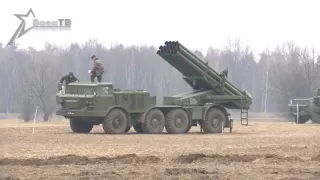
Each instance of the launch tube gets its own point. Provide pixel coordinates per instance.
(201, 63)
(203, 69)
(201, 72)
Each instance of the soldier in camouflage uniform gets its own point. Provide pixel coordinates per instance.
(223, 75)
(97, 70)
(225, 72)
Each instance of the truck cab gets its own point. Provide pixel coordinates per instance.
(87, 104)
(85, 98)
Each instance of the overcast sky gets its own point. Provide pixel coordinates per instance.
(195, 23)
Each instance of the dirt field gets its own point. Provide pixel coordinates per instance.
(258, 151)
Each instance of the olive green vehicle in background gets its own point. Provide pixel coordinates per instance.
(88, 104)
(302, 110)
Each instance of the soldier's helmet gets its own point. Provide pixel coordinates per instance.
(71, 74)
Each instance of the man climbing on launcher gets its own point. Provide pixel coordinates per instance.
(97, 70)
(67, 79)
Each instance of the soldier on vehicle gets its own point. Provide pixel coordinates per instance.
(67, 79)
(97, 70)
(223, 75)
(225, 72)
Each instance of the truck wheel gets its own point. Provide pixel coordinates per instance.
(177, 121)
(154, 122)
(116, 122)
(78, 126)
(213, 121)
(137, 128)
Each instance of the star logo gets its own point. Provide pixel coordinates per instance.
(22, 27)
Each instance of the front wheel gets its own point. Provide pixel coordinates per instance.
(116, 122)
(78, 126)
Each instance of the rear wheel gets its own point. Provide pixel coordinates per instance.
(78, 126)
(154, 122)
(116, 122)
(177, 121)
(213, 121)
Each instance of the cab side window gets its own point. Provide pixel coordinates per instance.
(104, 90)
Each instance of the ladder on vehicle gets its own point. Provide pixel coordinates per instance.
(244, 117)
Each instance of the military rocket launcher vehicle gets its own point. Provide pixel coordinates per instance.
(206, 105)
(89, 104)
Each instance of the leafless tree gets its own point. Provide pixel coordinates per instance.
(32, 75)
(40, 82)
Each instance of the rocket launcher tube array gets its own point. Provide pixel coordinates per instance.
(203, 74)
(178, 50)
(179, 47)
(206, 67)
(214, 75)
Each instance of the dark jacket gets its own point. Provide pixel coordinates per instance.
(68, 79)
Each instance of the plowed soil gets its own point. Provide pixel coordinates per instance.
(258, 151)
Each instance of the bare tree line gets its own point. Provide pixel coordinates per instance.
(29, 78)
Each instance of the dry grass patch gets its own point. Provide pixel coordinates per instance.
(258, 151)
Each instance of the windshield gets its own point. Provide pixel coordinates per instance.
(80, 90)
